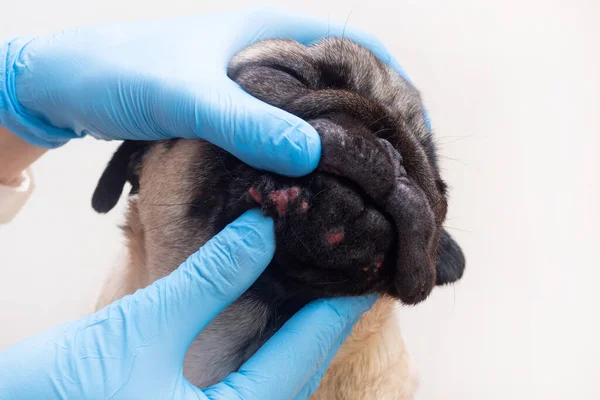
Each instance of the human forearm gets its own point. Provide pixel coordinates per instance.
(15, 156)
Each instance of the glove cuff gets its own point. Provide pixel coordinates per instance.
(14, 117)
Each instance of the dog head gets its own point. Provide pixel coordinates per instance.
(368, 220)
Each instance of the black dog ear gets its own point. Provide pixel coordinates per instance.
(450, 262)
(121, 168)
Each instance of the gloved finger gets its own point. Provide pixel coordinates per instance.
(313, 383)
(257, 133)
(208, 281)
(281, 368)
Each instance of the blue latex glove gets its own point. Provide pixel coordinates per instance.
(161, 79)
(134, 348)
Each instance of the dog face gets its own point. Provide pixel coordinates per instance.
(368, 220)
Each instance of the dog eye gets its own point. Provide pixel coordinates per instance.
(291, 72)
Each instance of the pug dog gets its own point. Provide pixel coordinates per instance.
(367, 220)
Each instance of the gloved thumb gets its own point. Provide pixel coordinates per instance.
(208, 281)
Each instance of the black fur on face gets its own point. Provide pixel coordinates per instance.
(368, 220)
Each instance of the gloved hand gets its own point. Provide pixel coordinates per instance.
(134, 348)
(161, 79)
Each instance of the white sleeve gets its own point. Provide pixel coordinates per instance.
(12, 199)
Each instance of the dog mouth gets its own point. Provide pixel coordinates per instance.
(376, 167)
(358, 214)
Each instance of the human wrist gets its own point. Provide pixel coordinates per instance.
(13, 116)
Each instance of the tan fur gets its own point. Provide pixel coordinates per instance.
(373, 363)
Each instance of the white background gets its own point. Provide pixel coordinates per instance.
(513, 91)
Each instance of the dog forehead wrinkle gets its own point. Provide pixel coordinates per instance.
(372, 77)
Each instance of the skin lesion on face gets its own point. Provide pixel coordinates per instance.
(368, 220)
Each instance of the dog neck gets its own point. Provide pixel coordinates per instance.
(373, 363)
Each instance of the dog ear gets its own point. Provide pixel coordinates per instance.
(450, 261)
(122, 168)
